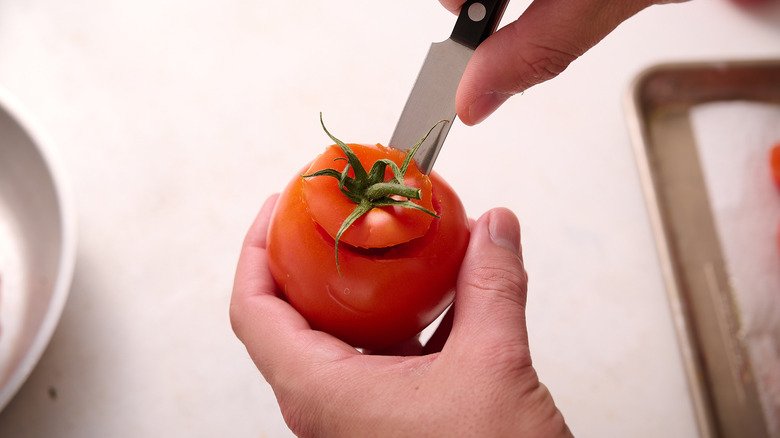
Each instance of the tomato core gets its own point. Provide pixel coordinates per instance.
(381, 227)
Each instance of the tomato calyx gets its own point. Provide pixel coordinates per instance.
(369, 189)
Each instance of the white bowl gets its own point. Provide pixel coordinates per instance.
(37, 246)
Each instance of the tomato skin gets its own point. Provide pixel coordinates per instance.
(774, 168)
(383, 296)
(774, 164)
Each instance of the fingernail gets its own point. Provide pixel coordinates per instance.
(505, 230)
(486, 105)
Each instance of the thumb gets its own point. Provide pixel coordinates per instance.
(548, 36)
(492, 284)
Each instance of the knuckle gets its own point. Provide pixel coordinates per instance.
(501, 282)
(550, 61)
(542, 63)
(452, 5)
(502, 290)
(539, 61)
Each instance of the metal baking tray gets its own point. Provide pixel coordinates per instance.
(37, 246)
(722, 384)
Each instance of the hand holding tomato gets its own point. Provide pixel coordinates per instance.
(478, 379)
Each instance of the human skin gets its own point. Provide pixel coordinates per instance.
(538, 46)
(475, 376)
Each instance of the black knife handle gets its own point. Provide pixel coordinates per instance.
(478, 19)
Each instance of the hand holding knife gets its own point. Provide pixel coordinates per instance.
(433, 96)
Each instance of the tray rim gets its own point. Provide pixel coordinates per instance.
(636, 111)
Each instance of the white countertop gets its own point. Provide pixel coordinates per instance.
(175, 119)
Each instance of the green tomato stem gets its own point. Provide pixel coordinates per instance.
(369, 190)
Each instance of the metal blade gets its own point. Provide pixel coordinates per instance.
(432, 99)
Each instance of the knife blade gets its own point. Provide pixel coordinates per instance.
(432, 98)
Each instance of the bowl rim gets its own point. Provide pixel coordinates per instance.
(68, 230)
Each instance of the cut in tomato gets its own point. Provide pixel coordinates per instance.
(380, 227)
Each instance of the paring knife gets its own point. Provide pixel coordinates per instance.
(433, 96)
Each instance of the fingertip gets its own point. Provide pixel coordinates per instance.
(485, 105)
(268, 205)
(256, 236)
(271, 199)
(499, 226)
(483, 87)
(252, 276)
(504, 229)
(452, 5)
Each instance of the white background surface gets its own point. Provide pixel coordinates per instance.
(175, 119)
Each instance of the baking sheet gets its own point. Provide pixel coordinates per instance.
(37, 247)
(697, 160)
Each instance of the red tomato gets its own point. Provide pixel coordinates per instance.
(774, 162)
(774, 165)
(397, 266)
